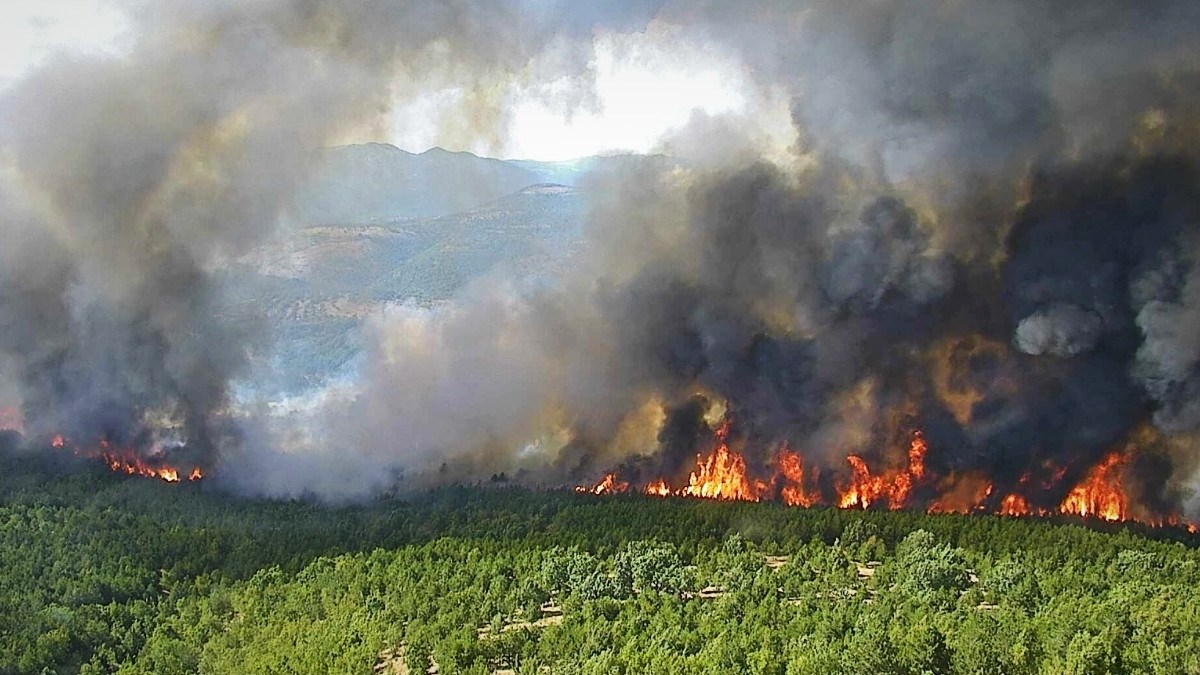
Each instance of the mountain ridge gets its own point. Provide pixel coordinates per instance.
(379, 183)
(373, 183)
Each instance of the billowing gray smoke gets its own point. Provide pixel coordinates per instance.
(130, 180)
(986, 229)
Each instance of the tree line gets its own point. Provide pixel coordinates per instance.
(102, 574)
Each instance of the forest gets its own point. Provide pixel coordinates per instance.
(101, 573)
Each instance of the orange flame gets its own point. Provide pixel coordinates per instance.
(916, 455)
(723, 474)
(1100, 494)
(899, 490)
(967, 493)
(658, 488)
(1015, 505)
(794, 492)
(130, 462)
(607, 485)
(865, 489)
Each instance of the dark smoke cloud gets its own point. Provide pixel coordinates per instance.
(1017, 174)
(986, 228)
(1168, 360)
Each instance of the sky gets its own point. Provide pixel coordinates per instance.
(33, 30)
(647, 84)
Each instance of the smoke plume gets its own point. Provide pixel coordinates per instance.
(986, 229)
(131, 180)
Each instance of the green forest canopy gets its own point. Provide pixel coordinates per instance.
(109, 574)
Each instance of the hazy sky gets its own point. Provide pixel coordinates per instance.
(646, 84)
(32, 30)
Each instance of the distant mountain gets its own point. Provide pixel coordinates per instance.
(377, 183)
(380, 184)
(319, 283)
(427, 259)
(530, 232)
(379, 225)
(572, 172)
(560, 173)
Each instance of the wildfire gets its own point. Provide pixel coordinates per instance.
(608, 485)
(863, 488)
(130, 462)
(134, 466)
(1100, 494)
(658, 488)
(895, 487)
(916, 455)
(967, 493)
(724, 474)
(794, 492)
(1015, 505)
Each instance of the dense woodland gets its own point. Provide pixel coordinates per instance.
(102, 574)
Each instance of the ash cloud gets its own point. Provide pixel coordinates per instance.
(1013, 181)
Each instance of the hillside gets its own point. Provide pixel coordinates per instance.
(377, 224)
(104, 573)
(380, 183)
(318, 284)
(576, 172)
